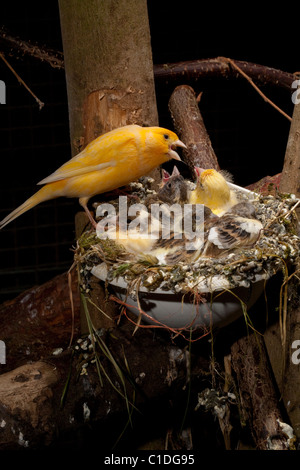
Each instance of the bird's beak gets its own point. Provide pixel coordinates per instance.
(172, 152)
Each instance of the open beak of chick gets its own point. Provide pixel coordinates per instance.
(172, 147)
(198, 171)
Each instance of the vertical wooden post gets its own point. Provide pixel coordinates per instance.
(107, 53)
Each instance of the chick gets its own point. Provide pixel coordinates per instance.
(186, 248)
(173, 189)
(162, 217)
(214, 236)
(213, 191)
(237, 229)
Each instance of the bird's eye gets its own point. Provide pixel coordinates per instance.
(166, 136)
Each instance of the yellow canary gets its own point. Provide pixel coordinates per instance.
(108, 162)
(213, 191)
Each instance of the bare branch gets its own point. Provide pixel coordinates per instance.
(181, 71)
(234, 65)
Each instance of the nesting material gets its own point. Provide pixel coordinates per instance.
(277, 247)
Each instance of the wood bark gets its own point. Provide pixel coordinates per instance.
(257, 394)
(189, 124)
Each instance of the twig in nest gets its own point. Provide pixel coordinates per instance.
(71, 301)
(39, 102)
(249, 79)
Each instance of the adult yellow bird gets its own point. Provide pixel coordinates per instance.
(112, 160)
(213, 191)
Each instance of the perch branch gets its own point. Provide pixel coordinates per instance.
(187, 70)
(257, 394)
(188, 122)
(217, 67)
(35, 381)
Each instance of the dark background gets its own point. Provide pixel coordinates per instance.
(248, 135)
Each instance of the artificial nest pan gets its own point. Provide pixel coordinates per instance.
(207, 292)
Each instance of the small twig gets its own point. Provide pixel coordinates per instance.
(249, 79)
(40, 103)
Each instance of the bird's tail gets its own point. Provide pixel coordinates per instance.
(42, 195)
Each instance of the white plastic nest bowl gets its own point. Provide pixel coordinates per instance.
(166, 308)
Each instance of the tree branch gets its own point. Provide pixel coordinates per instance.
(53, 58)
(221, 67)
(180, 71)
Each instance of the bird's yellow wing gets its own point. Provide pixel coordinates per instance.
(69, 170)
(103, 152)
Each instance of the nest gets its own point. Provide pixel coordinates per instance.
(276, 249)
